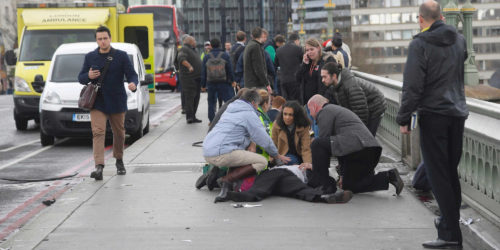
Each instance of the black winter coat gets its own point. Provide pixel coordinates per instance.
(288, 58)
(433, 80)
(359, 96)
(310, 79)
(254, 66)
(346, 131)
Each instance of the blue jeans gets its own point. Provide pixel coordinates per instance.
(223, 90)
(294, 159)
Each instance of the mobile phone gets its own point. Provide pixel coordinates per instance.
(95, 67)
(413, 121)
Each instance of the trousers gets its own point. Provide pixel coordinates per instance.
(441, 145)
(98, 123)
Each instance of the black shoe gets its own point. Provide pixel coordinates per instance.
(212, 176)
(183, 112)
(340, 196)
(225, 188)
(97, 173)
(396, 180)
(189, 121)
(196, 120)
(120, 167)
(442, 244)
(202, 181)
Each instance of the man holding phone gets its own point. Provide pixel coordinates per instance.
(111, 100)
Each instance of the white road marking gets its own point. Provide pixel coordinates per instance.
(18, 146)
(31, 154)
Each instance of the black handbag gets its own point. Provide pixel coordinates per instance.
(89, 91)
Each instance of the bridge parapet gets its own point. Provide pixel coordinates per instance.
(479, 168)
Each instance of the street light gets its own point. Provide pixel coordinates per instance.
(290, 27)
(301, 13)
(329, 7)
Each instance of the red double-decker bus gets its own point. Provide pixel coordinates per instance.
(167, 37)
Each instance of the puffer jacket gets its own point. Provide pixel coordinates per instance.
(237, 127)
(433, 80)
(359, 96)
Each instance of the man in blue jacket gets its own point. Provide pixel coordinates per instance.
(221, 86)
(226, 144)
(111, 100)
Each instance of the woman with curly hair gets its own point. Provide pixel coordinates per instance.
(290, 134)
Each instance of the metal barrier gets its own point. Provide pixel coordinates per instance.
(479, 168)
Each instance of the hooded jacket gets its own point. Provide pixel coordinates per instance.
(433, 79)
(237, 127)
(359, 96)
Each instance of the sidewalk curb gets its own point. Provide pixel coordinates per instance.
(48, 220)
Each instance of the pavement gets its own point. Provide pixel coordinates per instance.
(156, 206)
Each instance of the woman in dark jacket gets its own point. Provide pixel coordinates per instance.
(291, 134)
(309, 74)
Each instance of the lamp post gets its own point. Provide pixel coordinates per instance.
(452, 14)
(329, 8)
(290, 27)
(323, 35)
(301, 12)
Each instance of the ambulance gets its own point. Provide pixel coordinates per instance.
(42, 27)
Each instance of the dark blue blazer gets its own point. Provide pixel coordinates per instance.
(112, 97)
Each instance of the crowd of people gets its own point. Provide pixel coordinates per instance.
(275, 133)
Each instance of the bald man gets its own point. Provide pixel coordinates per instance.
(433, 85)
(343, 134)
(190, 74)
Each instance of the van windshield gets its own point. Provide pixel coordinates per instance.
(67, 67)
(39, 45)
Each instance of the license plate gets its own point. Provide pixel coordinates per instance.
(81, 117)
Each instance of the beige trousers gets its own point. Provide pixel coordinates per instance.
(98, 123)
(239, 158)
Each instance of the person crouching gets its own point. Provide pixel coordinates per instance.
(225, 145)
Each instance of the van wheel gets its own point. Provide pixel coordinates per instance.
(21, 124)
(46, 139)
(138, 135)
(146, 129)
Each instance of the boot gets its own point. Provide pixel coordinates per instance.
(226, 182)
(120, 167)
(396, 180)
(340, 196)
(202, 181)
(97, 173)
(212, 176)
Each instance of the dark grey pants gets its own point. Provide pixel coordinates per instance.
(191, 89)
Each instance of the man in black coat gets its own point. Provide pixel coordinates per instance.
(433, 85)
(254, 61)
(190, 72)
(342, 134)
(288, 59)
(355, 94)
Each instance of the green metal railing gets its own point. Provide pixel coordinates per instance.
(479, 168)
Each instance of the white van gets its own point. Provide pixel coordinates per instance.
(59, 113)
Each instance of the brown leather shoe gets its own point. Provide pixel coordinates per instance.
(341, 196)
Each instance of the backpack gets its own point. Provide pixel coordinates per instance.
(216, 68)
(235, 55)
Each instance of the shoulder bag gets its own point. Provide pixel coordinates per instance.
(89, 91)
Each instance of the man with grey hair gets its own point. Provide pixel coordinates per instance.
(226, 144)
(343, 135)
(190, 74)
(433, 85)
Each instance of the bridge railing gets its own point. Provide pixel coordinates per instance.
(479, 168)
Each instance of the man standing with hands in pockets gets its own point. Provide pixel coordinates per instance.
(111, 100)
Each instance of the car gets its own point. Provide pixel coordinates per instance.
(60, 115)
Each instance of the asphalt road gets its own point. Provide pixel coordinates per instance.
(23, 158)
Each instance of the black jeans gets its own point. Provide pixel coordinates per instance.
(191, 89)
(441, 139)
(358, 170)
(373, 124)
(290, 91)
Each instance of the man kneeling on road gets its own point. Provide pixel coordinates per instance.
(225, 144)
(343, 134)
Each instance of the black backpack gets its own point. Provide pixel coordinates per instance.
(216, 68)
